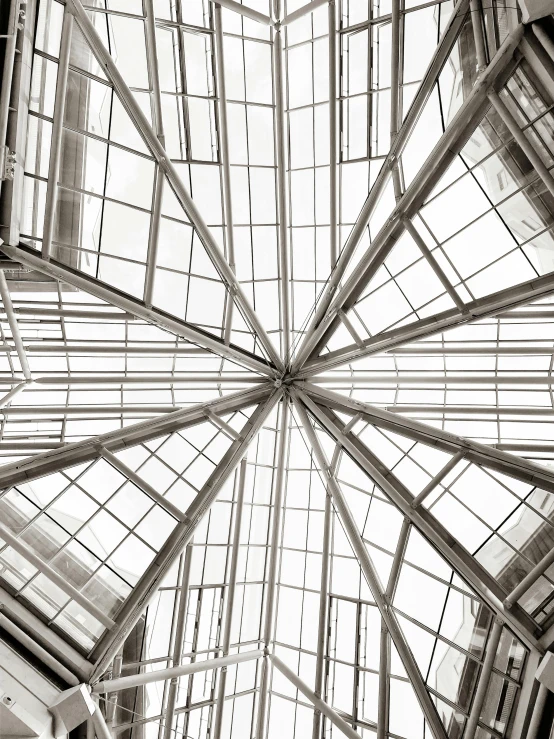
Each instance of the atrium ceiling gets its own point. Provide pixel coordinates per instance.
(276, 363)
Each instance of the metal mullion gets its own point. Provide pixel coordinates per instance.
(268, 629)
(334, 54)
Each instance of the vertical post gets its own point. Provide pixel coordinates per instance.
(333, 163)
(157, 119)
(280, 151)
(225, 159)
(538, 711)
(269, 620)
(395, 91)
(480, 53)
(57, 132)
(178, 643)
(484, 678)
(323, 605)
(7, 76)
(384, 643)
(226, 641)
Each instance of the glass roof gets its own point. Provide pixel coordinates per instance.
(276, 351)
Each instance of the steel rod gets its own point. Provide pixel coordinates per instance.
(370, 574)
(432, 262)
(230, 600)
(133, 681)
(272, 570)
(428, 489)
(14, 392)
(225, 158)
(333, 135)
(7, 77)
(521, 139)
(493, 378)
(14, 327)
(282, 203)
(318, 703)
(137, 480)
(57, 136)
(22, 548)
(134, 110)
(140, 379)
(178, 643)
(475, 9)
(100, 726)
(484, 679)
(42, 654)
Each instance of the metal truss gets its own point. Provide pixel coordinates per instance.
(281, 380)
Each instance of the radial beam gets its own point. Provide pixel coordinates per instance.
(138, 308)
(456, 555)
(134, 110)
(511, 297)
(439, 59)
(273, 567)
(57, 134)
(230, 599)
(365, 378)
(370, 573)
(87, 450)
(245, 10)
(134, 606)
(438, 161)
(282, 204)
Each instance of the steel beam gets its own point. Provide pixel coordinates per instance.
(134, 606)
(333, 135)
(204, 378)
(428, 489)
(14, 327)
(225, 159)
(272, 571)
(85, 451)
(57, 134)
(530, 579)
(13, 393)
(159, 177)
(7, 76)
(304, 10)
(134, 110)
(367, 379)
(282, 203)
(440, 158)
(538, 712)
(230, 599)
(109, 349)
(427, 85)
(482, 454)
(370, 574)
(467, 567)
(491, 305)
(318, 703)
(138, 308)
(144, 678)
(484, 679)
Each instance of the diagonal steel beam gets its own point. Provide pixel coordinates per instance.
(112, 295)
(467, 567)
(425, 89)
(85, 451)
(482, 454)
(134, 606)
(370, 573)
(445, 151)
(503, 300)
(150, 138)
